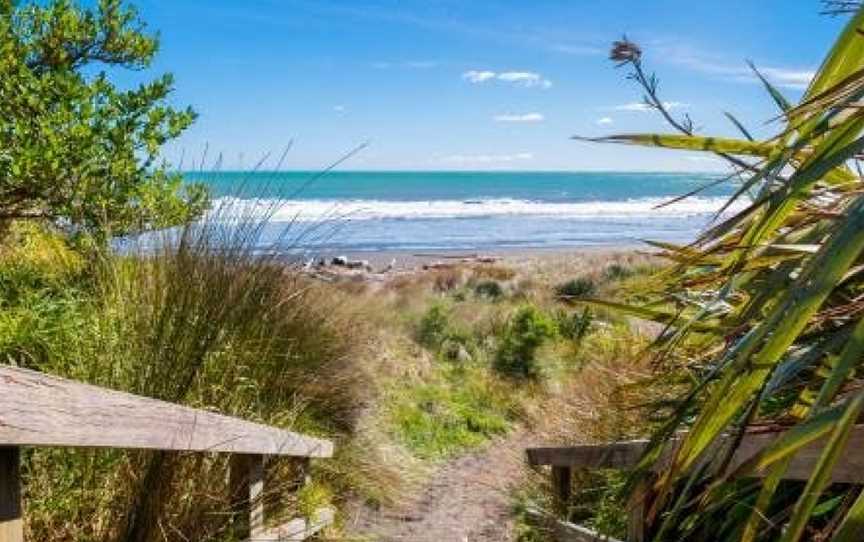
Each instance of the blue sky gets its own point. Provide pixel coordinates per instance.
(479, 84)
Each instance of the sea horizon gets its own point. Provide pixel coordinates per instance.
(382, 210)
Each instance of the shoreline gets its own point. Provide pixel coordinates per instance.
(548, 264)
(404, 260)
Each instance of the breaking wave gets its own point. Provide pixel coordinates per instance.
(315, 210)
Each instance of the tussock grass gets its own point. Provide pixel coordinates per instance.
(200, 318)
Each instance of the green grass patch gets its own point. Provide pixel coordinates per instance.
(461, 409)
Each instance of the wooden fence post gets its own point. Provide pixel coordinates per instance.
(636, 511)
(11, 515)
(562, 486)
(246, 482)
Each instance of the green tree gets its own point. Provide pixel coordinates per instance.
(74, 148)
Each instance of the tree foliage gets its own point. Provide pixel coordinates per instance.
(75, 148)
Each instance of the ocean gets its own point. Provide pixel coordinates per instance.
(423, 211)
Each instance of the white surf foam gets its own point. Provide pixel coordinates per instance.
(314, 210)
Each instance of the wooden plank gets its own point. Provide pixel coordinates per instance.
(42, 410)
(849, 468)
(625, 455)
(11, 514)
(246, 479)
(615, 455)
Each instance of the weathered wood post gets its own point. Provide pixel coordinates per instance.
(11, 515)
(562, 486)
(637, 507)
(246, 483)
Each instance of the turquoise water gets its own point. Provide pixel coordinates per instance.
(460, 186)
(471, 210)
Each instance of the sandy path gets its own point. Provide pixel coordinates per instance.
(465, 500)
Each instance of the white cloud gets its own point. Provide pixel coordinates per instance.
(522, 79)
(796, 79)
(488, 158)
(339, 108)
(641, 106)
(525, 117)
(477, 76)
(525, 79)
(713, 64)
(605, 121)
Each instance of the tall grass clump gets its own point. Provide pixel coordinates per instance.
(772, 292)
(579, 287)
(208, 315)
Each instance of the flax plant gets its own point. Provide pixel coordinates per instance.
(779, 284)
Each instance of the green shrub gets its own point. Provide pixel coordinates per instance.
(526, 331)
(581, 287)
(432, 329)
(489, 289)
(574, 326)
(617, 271)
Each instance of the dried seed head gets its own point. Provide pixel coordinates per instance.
(624, 51)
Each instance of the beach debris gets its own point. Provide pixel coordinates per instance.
(438, 265)
(358, 264)
(455, 260)
(344, 261)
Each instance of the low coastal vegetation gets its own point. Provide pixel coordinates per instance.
(407, 368)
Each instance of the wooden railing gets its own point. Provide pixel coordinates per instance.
(41, 410)
(625, 455)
